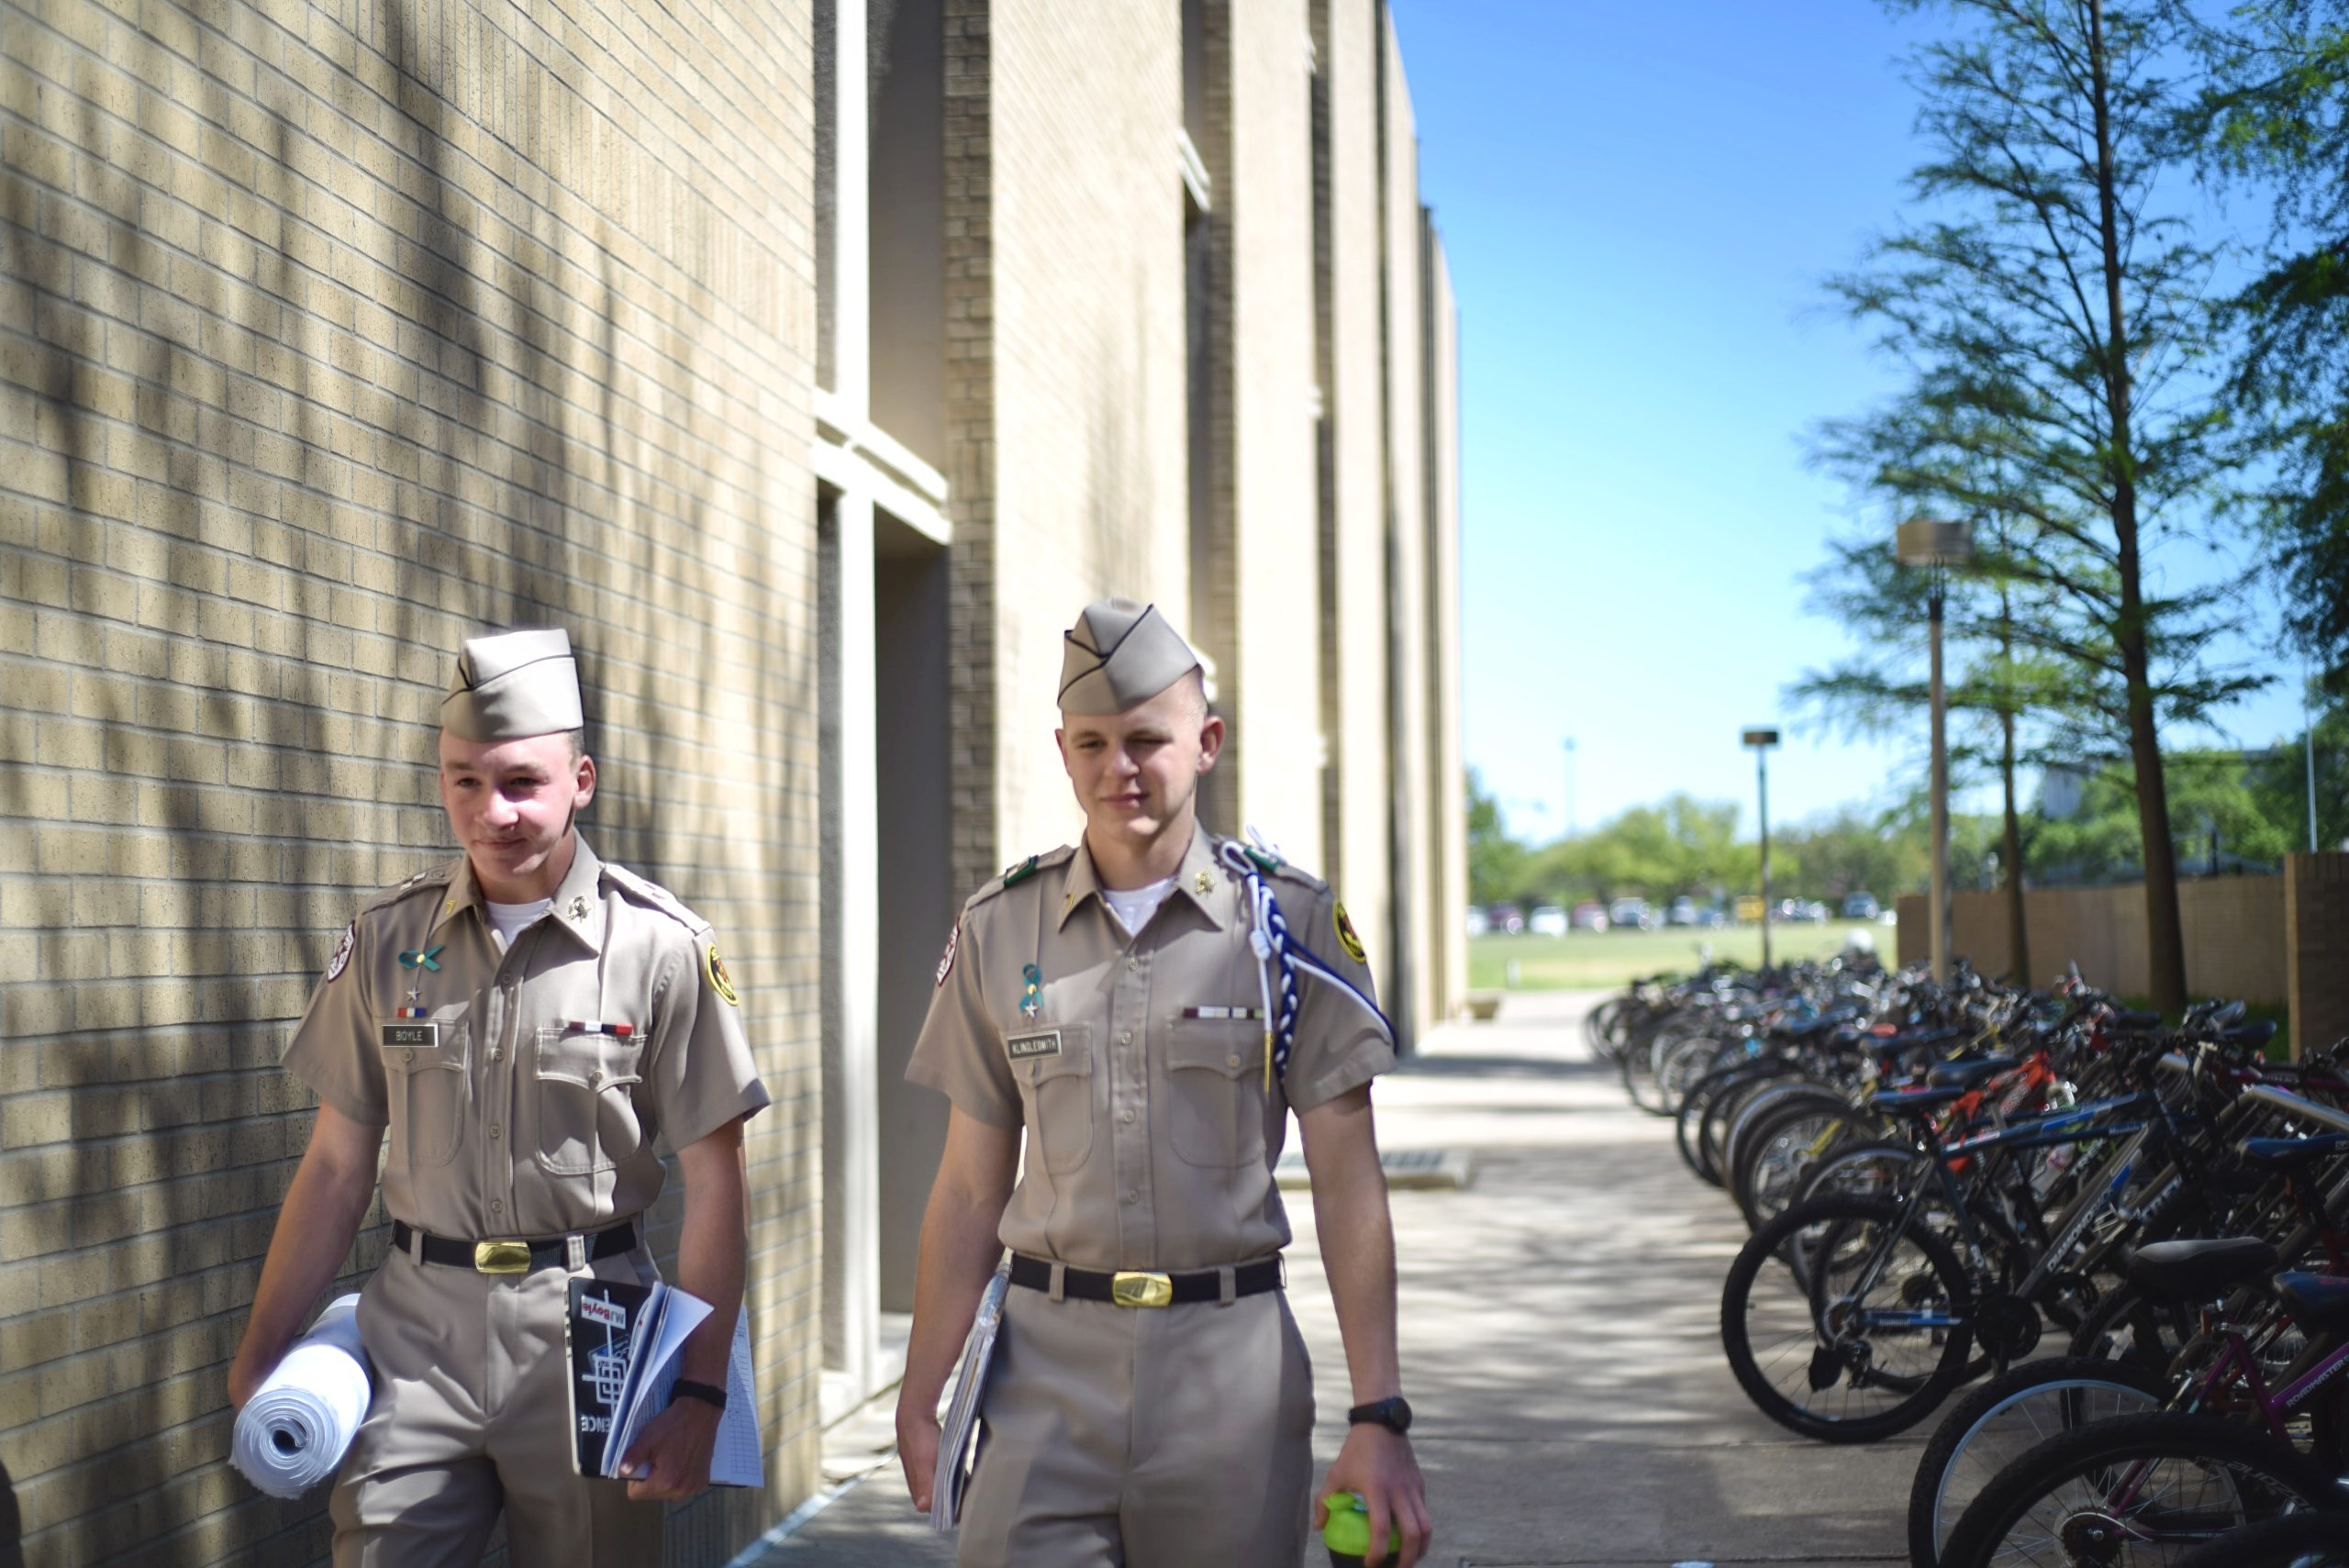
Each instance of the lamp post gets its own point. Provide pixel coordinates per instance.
(1938, 547)
(1570, 786)
(1762, 740)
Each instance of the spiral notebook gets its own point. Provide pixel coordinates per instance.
(622, 1340)
(959, 1429)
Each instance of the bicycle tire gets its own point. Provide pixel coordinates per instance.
(2259, 1476)
(2296, 1540)
(1834, 1218)
(1765, 1149)
(1966, 1450)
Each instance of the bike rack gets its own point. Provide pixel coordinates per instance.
(2308, 1111)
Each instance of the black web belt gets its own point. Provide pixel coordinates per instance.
(517, 1257)
(1130, 1287)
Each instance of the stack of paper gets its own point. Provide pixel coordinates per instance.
(294, 1431)
(959, 1429)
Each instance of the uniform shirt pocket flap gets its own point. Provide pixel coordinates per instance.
(1233, 1046)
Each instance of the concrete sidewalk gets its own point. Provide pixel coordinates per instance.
(1560, 1342)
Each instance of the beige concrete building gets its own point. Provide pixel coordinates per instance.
(812, 362)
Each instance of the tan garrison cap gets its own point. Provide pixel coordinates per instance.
(511, 684)
(1120, 653)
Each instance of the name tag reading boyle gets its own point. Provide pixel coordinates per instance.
(428, 1035)
(1042, 1042)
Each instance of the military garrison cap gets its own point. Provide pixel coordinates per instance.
(511, 684)
(1120, 653)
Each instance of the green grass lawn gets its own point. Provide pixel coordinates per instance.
(1586, 959)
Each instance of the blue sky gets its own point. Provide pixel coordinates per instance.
(1638, 203)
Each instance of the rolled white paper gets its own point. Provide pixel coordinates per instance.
(294, 1431)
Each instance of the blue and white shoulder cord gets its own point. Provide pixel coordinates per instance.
(1279, 956)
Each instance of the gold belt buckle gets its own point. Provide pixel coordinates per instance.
(1128, 1288)
(501, 1257)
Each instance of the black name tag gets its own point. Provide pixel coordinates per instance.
(412, 1034)
(1023, 1046)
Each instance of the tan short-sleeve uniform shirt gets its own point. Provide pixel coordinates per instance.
(528, 1091)
(1138, 1068)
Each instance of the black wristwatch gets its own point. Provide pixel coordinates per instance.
(708, 1393)
(1393, 1413)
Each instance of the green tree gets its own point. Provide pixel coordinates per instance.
(1494, 860)
(2050, 317)
(2276, 114)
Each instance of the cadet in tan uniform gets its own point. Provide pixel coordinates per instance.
(1149, 1403)
(531, 1024)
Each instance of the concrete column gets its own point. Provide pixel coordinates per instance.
(850, 924)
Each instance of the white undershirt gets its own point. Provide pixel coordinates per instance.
(1135, 906)
(507, 920)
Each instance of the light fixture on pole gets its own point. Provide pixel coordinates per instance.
(1570, 786)
(1762, 740)
(1939, 547)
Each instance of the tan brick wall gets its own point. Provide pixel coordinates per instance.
(1089, 493)
(326, 333)
(1263, 219)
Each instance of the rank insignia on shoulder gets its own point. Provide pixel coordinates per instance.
(946, 965)
(1021, 871)
(715, 968)
(343, 950)
(1347, 937)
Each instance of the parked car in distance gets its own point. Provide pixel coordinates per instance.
(1710, 916)
(1801, 911)
(1682, 911)
(1589, 916)
(1748, 908)
(1506, 918)
(1548, 920)
(1861, 907)
(1477, 924)
(1631, 914)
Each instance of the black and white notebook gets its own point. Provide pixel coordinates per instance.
(623, 1341)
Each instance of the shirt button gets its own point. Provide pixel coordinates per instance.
(1127, 1116)
(595, 1076)
(493, 1129)
(1132, 963)
(1232, 1059)
(1127, 1038)
(497, 1053)
(495, 1207)
(1132, 1197)
(407, 1058)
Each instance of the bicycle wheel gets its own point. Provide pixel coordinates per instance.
(2296, 1540)
(1867, 1340)
(2138, 1490)
(1996, 1423)
(1779, 1146)
(1866, 1169)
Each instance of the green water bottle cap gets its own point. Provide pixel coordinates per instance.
(1348, 1532)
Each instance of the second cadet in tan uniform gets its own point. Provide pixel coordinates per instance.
(531, 1025)
(1151, 1403)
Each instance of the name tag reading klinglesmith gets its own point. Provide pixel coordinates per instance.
(1044, 1042)
(412, 1034)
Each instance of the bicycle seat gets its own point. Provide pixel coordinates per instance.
(1913, 1100)
(1915, 1038)
(2293, 1153)
(2127, 1019)
(2250, 1037)
(2318, 1303)
(1964, 1075)
(2185, 1271)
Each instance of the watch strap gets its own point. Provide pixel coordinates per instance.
(708, 1393)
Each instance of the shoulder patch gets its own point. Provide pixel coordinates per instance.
(1348, 938)
(432, 876)
(1020, 872)
(946, 965)
(720, 982)
(652, 896)
(342, 949)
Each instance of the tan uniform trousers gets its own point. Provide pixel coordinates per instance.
(1143, 1437)
(472, 1414)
